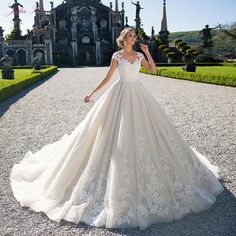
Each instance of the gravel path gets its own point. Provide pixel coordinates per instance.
(204, 114)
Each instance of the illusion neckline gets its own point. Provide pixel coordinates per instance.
(131, 62)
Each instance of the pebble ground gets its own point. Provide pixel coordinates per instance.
(203, 113)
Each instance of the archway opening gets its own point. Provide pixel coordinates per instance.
(21, 57)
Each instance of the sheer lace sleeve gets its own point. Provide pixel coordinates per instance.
(140, 56)
(115, 56)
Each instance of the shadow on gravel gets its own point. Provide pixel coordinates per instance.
(5, 104)
(219, 219)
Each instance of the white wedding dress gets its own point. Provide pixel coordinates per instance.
(123, 166)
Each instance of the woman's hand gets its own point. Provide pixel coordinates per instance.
(144, 48)
(87, 98)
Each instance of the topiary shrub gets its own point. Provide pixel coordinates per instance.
(162, 46)
(181, 44)
(167, 50)
(195, 53)
(171, 54)
(185, 48)
(190, 51)
(177, 41)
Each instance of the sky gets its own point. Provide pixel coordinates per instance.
(182, 15)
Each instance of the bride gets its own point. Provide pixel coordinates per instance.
(124, 165)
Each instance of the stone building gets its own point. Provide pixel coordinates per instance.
(24, 48)
(76, 32)
(82, 32)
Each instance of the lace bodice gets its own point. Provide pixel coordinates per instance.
(128, 70)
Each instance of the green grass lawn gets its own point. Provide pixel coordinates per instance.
(221, 75)
(23, 78)
(206, 69)
(20, 75)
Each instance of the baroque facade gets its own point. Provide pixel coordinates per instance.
(24, 48)
(76, 32)
(85, 31)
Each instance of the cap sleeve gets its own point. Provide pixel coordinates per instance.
(115, 56)
(140, 56)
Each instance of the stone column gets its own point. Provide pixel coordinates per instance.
(1, 48)
(110, 20)
(54, 22)
(98, 53)
(74, 20)
(74, 34)
(1, 42)
(48, 52)
(123, 16)
(74, 53)
(29, 49)
(94, 25)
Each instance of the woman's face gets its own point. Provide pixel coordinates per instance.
(131, 38)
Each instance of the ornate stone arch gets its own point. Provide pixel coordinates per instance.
(21, 56)
(11, 52)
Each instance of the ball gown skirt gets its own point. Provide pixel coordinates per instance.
(124, 165)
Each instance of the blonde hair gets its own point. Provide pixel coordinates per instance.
(123, 35)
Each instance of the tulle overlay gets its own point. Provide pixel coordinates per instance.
(124, 166)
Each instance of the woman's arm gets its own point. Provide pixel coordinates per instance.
(107, 78)
(150, 64)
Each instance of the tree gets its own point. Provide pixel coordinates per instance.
(229, 31)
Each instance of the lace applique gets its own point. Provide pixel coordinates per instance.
(184, 190)
(117, 55)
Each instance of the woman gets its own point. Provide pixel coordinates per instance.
(126, 41)
(124, 165)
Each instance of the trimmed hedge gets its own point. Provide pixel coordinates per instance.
(27, 67)
(196, 76)
(11, 87)
(233, 64)
(197, 64)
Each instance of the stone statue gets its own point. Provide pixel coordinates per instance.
(85, 23)
(87, 57)
(51, 4)
(37, 61)
(190, 64)
(1, 32)
(153, 32)
(46, 32)
(6, 61)
(93, 15)
(207, 36)
(15, 8)
(138, 8)
(111, 5)
(126, 20)
(7, 72)
(29, 34)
